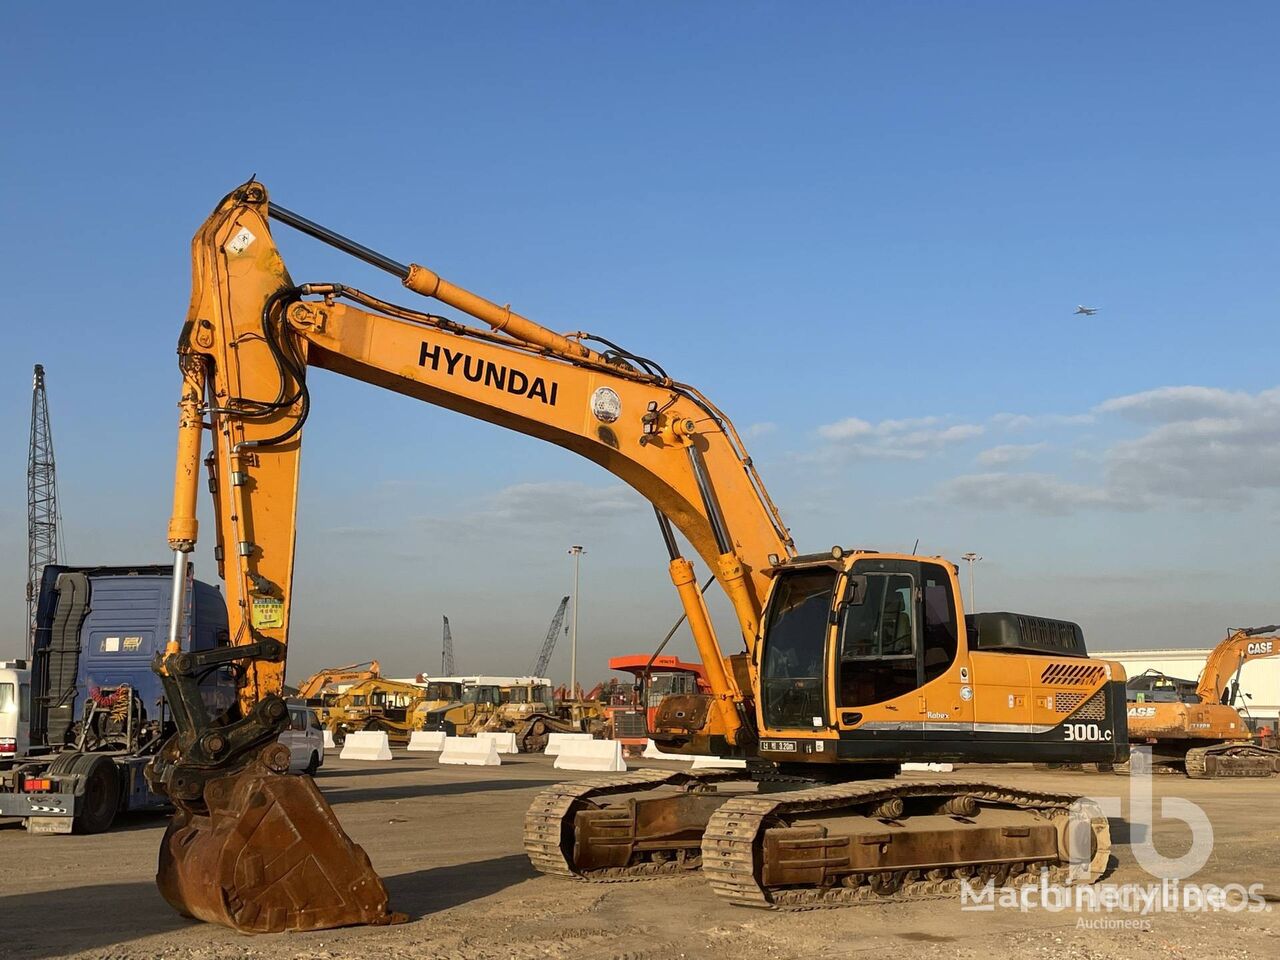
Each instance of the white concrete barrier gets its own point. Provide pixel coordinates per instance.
(470, 751)
(420, 740)
(651, 752)
(717, 763)
(603, 755)
(555, 740)
(328, 740)
(928, 767)
(366, 745)
(502, 742)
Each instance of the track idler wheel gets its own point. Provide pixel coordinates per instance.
(264, 853)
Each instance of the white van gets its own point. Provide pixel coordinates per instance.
(15, 711)
(305, 740)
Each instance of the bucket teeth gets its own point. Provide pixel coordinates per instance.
(264, 853)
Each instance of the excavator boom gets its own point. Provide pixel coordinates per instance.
(1225, 660)
(315, 683)
(1201, 733)
(250, 336)
(850, 661)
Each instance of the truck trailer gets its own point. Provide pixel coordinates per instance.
(97, 712)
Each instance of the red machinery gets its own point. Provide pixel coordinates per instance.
(629, 713)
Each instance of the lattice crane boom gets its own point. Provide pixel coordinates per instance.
(447, 667)
(42, 499)
(549, 644)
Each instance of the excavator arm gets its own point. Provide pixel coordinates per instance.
(1223, 664)
(312, 686)
(249, 339)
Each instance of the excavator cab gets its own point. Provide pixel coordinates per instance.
(868, 658)
(890, 626)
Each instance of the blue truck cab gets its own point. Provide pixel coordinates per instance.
(98, 712)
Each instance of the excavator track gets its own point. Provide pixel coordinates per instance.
(548, 824)
(733, 847)
(1224, 761)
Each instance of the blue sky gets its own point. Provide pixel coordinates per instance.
(861, 228)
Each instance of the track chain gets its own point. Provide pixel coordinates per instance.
(1234, 760)
(729, 845)
(551, 815)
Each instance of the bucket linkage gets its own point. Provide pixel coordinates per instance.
(250, 845)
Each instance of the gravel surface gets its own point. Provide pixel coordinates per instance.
(447, 841)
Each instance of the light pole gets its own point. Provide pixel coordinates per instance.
(971, 558)
(576, 551)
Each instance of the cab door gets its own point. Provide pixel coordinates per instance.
(899, 688)
(877, 656)
(793, 687)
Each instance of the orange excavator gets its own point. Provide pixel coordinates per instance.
(313, 690)
(352, 672)
(849, 661)
(1193, 726)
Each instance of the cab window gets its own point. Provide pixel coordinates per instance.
(940, 628)
(877, 638)
(298, 719)
(664, 684)
(795, 643)
(897, 630)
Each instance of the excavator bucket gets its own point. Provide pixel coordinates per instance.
(264, 853)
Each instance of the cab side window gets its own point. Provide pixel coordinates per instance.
(877, 640)
(298, 719)
(940, 628)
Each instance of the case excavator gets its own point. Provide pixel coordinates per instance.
(848, 661)
(1194, 727)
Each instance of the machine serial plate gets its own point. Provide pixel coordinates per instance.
(779, 746)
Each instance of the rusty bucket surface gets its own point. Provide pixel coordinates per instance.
(267, 856)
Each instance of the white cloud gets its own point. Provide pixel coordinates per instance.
(846, 429)
(560, 499)
(1203, 446)
(1037, 492)
(908, 439)
(1012, 421)
(1007, 453)
(1021, 421)
(755, 430)
(520, 509)
(1174, 404)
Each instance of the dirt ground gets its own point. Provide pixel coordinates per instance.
(447, 841)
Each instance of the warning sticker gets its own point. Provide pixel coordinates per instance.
(267, 612)
(240, 242)
(110, 644)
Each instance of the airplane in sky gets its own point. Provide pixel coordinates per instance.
(1085, 311)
